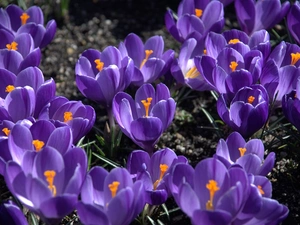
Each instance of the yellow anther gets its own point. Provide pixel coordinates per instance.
(212, 186)
(204, 52)
(68, 116)
(99, 64)
(6, 131)
(295, 58)
(24, 17)
(163, 169)
(147, 105)
(233, 41)
(192, 73)
(260, 190)
(9, 88)
(50, 174)
(113, 187)
(233, 65)
(198, 12)
(251, 99)
(12, 46)
(38, 144)
(242, 151)
(147, 55)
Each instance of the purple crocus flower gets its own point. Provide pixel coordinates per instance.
(247, 112)
(153, 171)
(11, 214)
(184, 70)
(249, 155)
(100, 75)
(293, 21)
(147, 117)
(30, 21)
(106, 193)
(261, 14)
(54, 181)
(36, 137)
(79, 117)
(195, 19)
(149, 59)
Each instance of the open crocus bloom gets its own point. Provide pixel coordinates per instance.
(250, 155)
(153, 171)
(106, 193)
(247, 112)
(145, 118)
(293, 21)
(30, 21)
(48, 183)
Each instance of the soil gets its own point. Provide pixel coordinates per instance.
(100, 23)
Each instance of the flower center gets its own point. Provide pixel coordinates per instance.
(12, 46)
(99, 64)
(9, 88)
(147, 104)
(68, 116)
(260, 190)
(24, 17)
(192, 73)
(233, 65)
(113, 187)
(251, 99)
(6, 131)
(147, 54)
(198, 12)
(295, 58)
(163, 169)
(212, 186)
(204, 52)
(50, 174)
(233, 41)
(242, 151)
(38, 144)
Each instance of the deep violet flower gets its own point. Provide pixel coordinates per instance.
(249, 155)
(195, 19)
(5, 128)
(100, 75)
(48, 183)
(150, 60)
(110, 198)
(30, 21)
(153, 171)
(247, 112)
(79, 117)
(11, 214)
(147, 117)
(261, 14)
(293, 21)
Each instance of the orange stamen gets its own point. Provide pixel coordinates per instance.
(68, 116)
(212, 186)
(99, 64)
(24, 17)
(38, 144)
(260, 190)
(50, 174)
(233, 65)
(242, 151)
(147, 105)
(147, 53)
(192, 73)
(198, 12)
(204, 52)
(295, 58)
(12, 46)
(6, 131)
(9, 88)
(234, 41)
(163, 170)
(251, 99)
(113, 187)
